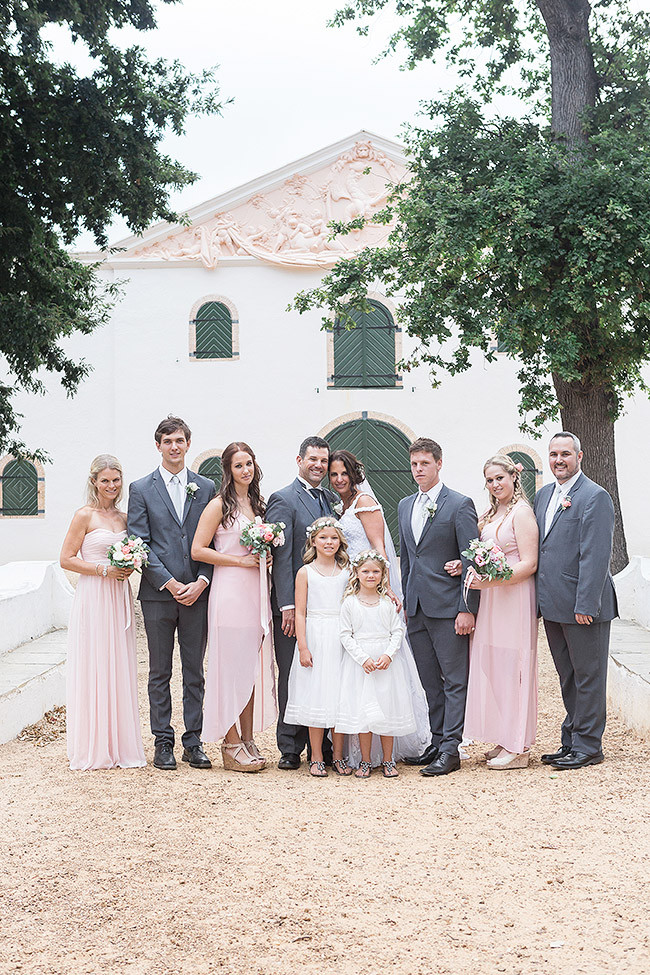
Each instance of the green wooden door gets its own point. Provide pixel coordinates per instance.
(213, 331)
(529, 473)
(211, 467)
(384, 451)
(364, 355)
(20, 488)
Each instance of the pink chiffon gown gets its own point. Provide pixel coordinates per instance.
(103, 720)
(502, 688)
(240, 653)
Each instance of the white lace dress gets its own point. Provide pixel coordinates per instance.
(415, 742)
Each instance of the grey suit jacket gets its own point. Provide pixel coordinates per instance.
(573, 573)
(297, 509)
(443, 538)
(152, 516)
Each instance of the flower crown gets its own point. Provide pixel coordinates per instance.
(319, 524)
(370, 556)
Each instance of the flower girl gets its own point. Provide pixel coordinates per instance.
(375, 692)
(315, 676)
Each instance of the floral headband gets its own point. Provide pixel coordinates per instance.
(321, 523)
(371, 556)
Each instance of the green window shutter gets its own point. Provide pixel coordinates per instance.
(213, 324)
(364, 355)
(384, 452)
(529, 473)
(20, 489)
(211, 467)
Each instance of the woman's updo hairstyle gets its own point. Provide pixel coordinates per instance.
(101, 463)
(353, 466)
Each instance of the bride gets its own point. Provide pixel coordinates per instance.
(362, 519)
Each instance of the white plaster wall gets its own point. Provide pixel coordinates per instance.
(273, 396)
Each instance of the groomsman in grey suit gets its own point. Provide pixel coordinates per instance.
(298, 505)
(164, 510)
(576, 597)
(435, 526)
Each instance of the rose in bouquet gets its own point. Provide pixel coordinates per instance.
(261, 536)
(130, 553)
(488, 560)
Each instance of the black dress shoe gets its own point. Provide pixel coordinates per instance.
(163, 756)
(196, 757)
(443, 765)
(551, 757)
(289, 761)
(577, 760)
(430, 755)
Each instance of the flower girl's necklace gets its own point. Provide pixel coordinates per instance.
(326, 575)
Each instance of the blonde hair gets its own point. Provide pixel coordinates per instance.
(101, 463)
(370, 555)
(341, 556)
(509, 466)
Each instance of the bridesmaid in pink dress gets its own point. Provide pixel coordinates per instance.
(240, 682)
(103, 720)
(502, 688)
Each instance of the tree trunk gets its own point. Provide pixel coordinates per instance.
(586, 412)
(573, 77)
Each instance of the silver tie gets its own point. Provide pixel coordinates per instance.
(176, 495)
(421, 516)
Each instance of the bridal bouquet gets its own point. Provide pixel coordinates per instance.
(130, 553)
(487, 560)
(261, 536)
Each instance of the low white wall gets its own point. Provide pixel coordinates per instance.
(34, 597)
(633, 591)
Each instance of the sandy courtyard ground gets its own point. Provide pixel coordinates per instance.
(142, 871)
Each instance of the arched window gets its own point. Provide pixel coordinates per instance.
(211, 467)
(364, 354)
(19, 487)
(529, 474)
(214, 329)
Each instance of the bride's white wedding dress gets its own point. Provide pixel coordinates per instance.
(420, 739)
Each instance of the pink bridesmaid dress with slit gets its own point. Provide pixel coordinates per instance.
(240, 652)
(103, 719)
(502, 687)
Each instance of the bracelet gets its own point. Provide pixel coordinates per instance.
(97, 565)
(105, 569)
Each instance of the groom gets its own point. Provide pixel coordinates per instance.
(297, 505)
(164, 510)
(435, 526)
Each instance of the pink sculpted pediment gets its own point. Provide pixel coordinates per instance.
(288, 225)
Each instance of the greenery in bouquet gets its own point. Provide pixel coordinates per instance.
(130, 553)
(487, 560)
(261, 536)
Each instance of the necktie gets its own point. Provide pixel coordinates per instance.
(552, 508)
(176, 494)
(320, 497)
(420, 513)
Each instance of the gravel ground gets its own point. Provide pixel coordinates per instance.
(141, 871)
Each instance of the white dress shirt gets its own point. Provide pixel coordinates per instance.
(182, 477)
(561, 491)
(419, 515)
(308, 488)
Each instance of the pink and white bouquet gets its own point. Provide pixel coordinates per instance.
(130, 553)
(261, 536)
(487, 560)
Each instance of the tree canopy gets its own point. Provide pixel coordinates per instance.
(535, 229)
(76, 150)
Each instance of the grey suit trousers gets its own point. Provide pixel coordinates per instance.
(442, 659)
(580, 655)
(162, 618)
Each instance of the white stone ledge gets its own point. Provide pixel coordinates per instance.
(32, 681)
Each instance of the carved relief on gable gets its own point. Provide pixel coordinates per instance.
(288, 225)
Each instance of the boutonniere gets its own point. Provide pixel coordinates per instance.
(565, 502)
(338, 507)
(431, 509)
(191, 489)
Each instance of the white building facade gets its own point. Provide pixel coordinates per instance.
(203, 332)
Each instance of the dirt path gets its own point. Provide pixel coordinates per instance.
(140, 871)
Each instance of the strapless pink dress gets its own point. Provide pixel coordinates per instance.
(240, 655)
(502, 687)
(103, 720)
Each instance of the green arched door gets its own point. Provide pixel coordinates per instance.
(384, 451)
(211, 467)
(529, 473)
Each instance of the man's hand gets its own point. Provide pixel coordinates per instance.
(464, 623)
(585, 620)
(289, 622)
(188, 595)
